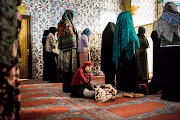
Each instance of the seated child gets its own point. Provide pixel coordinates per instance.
(80, 85)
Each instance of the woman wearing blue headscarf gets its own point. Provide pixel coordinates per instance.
(124, 45)
(83, 46)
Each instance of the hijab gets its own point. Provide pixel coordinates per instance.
(169, 22)
(81, 76)
(106, 48)
(67, 16)
(67, 33)
(141, 31)
(125, 38)
(86, 32)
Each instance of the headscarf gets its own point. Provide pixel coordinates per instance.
(107, 47)
(86, 32)
(141, 31)
(8, 30)
(169, 22)
(67, 33)
(67, 16)
(125, 38)
(81, 76)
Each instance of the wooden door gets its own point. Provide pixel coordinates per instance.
(25, 47)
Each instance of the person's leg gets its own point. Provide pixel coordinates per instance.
(109, 78)
(89, 93)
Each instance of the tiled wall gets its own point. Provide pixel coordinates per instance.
(94, 14)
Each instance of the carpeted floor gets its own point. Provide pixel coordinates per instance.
(41, 100)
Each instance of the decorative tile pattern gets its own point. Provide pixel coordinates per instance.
(94, 14)
(91, 14)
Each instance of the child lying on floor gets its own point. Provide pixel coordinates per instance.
(80, 85)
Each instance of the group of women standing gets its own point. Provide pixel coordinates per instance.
(119, 45)
(70, 52)
(124, 54)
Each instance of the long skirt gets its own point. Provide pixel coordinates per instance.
(169, 72)
(67, 67)
(83, 57)
(51, 68)
(126, 75)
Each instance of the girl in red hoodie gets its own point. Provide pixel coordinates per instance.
(80, 85)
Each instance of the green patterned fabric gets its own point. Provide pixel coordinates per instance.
(125, 38)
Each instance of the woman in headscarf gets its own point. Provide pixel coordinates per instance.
(52, 52)
(9, 67)
(81, 86)
(83, 46)
(107, 65)
(141, 57)
(166, 55)
(124, 45)
(46, 32)
(67, 36)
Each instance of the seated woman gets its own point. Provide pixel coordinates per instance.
(80, 85)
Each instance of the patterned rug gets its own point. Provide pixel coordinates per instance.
(41, 100)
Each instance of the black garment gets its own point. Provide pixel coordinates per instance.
(126, 74)
(45, 68)
(169, 72)
(51, 74)
(77, 91)
(166, 64)
(107, 65)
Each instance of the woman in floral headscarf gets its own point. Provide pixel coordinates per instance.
(10, 26)
(166, 55)
(67, 36)
(124, 45)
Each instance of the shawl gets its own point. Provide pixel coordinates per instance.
(8, 30)
(106, 48)
(125, 38)
(169, 22)
(81, 76)
(67, 33)
(86, 32)
(141, 31)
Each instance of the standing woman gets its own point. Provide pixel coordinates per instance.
(46, 32)
(124, 45)
(141, 57)
(83, 46)
(67, 36)
(9, 67)
(52, 52)
(107, 65)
